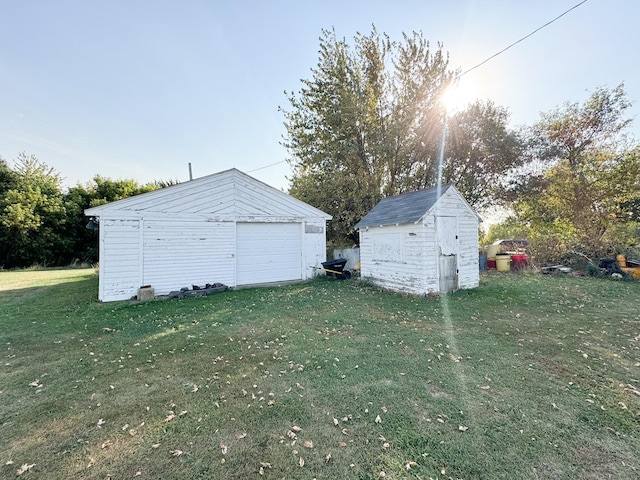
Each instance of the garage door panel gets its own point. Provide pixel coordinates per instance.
(268, 252)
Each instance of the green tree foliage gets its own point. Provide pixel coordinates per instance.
(32, 216)
(369, 124)
(8, 178)
(480, 150)
(42, 225)
(588, 186)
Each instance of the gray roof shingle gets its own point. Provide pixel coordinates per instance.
(405, 208)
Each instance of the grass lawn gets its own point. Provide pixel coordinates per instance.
(526, 377)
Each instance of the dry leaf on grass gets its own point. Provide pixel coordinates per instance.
(25, 468)
(308, 444)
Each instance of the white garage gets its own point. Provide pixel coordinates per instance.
(223, 228)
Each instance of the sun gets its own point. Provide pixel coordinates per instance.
(458, 95)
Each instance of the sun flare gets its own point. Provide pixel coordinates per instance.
(458, 96)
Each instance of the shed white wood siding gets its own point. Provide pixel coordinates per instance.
(412, 255)
(268, 252)
(452, 204)
(120, 252)
(181, 253)
(395, 257)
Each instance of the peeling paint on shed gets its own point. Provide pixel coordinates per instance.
(223, 228)
(421, 242)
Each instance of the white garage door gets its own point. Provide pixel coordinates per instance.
(268, 252)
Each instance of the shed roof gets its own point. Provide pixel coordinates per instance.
(228, 193)
(405, 208)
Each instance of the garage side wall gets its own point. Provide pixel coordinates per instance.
(120, 259)
(314, 246)
(395, 257)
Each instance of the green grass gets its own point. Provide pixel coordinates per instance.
(526, 377)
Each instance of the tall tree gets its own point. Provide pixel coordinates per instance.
(369, 124)
(480, 149)
(32, 216)
(359, 125)
(589, 181)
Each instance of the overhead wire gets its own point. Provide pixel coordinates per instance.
(475, 66)
(520, 40)
(266, 166)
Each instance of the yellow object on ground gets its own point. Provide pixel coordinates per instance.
(503, 263)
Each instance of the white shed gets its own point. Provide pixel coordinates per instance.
(223, 228)
(421, 242)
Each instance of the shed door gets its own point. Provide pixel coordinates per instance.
(447, 234)
(268, 252)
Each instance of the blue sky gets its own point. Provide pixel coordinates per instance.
(140, 88)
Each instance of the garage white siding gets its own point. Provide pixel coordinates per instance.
(268, 252)
(223, 228)
(120, 258)
(187, 252)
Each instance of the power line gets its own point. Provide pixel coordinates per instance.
(523, 38)
(266, 166)
(472, 68)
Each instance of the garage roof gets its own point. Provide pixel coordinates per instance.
(229, 193)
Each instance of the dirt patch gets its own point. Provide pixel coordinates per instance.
(596, 462)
